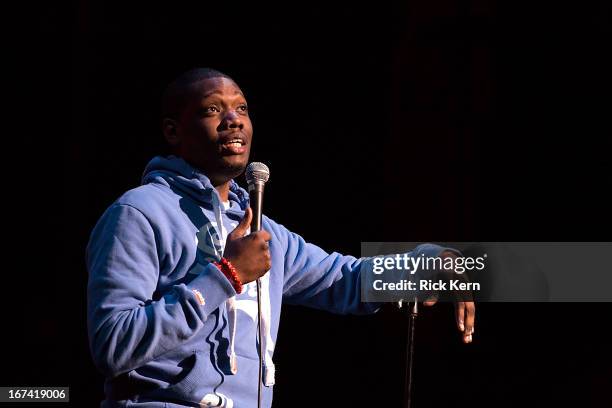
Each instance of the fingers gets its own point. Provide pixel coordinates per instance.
(243, 226)
(470, 318)
(459, 310)
(264, 235)
(466, 314)
(431, 301)
(268, 260)
(261, 236)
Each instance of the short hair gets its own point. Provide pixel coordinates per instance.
(178, 91)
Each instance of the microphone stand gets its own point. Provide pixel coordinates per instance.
(410, 353)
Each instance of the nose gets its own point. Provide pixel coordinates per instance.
(232, 120)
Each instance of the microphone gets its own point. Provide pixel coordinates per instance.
(256, 175)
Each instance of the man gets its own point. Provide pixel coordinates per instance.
(172, 311)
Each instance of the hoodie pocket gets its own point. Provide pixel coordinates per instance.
(191, 387)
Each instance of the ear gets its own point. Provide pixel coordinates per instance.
(170, 129)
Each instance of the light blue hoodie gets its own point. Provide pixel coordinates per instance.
(150, 254)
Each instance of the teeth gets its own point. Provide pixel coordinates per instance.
(234, 144)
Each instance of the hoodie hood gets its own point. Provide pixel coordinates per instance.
(176, 173)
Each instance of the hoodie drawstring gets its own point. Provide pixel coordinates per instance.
(268, 345)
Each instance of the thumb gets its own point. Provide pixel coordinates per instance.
(241, 229)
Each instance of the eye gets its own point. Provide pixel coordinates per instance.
(242, 108)
(210, 109)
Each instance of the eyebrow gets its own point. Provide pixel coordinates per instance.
(206, 95)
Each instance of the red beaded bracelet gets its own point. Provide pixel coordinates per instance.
(230, 272)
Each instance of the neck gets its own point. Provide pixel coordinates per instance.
(221, 183)
(223, 190)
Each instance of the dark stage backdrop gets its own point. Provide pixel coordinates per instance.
(423, 121)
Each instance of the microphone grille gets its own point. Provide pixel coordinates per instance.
(257, 172)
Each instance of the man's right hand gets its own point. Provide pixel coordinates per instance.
(250, 254)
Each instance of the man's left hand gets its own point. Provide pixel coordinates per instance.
(465, 311)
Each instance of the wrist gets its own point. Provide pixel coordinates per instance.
(230, 272)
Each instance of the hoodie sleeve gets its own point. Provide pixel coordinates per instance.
(126, 327)
(321, 280)
(330, 282)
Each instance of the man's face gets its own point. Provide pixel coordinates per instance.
(214, 132)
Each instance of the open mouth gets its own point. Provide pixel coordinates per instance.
(236, 142)
(234, 145)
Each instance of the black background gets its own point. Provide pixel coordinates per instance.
(444, 120)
